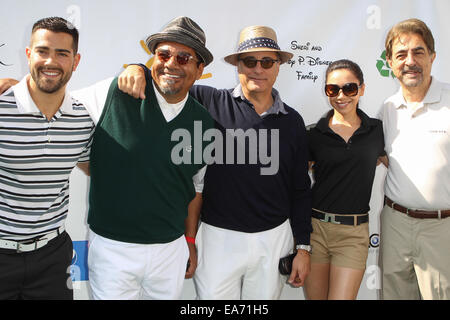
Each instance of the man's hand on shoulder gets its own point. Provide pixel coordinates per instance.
(132, 81)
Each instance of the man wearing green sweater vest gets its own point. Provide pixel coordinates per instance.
(143, 205)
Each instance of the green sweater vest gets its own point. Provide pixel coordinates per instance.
(137, 194)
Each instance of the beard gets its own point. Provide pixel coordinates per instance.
(166, 85)
(412, 82)
(49, 85)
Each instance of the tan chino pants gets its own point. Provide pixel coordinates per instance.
(414, 257)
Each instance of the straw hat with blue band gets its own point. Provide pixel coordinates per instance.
(258, 38)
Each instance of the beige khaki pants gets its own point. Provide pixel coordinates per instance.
(414, 257)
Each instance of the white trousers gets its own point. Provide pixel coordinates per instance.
(129, 271)
(236, 265)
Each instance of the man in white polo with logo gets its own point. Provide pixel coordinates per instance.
(415, 223)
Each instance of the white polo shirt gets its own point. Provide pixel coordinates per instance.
(417, 142)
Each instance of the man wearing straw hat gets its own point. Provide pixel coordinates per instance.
(249, 219)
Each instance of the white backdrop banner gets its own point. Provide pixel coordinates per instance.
(316, 32)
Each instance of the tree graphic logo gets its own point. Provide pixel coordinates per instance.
(383, 66)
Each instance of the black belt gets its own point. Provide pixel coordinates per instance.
(346, 219)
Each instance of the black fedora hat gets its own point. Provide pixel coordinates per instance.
(185, 31)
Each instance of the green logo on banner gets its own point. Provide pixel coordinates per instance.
(383, 66)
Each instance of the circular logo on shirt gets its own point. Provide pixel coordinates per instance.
(374, 240)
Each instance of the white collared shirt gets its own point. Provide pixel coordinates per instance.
(417, 142)
(169, 110)
(25, 103)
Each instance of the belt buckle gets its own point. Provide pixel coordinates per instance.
(392, 204)
(19, 246)
(35, 242)
(330, 218)
(407, 212)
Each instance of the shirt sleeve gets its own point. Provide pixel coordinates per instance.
(310, 144)
(199, 179)
(84, 157)
(380, 114)
(301, 197)
(381, 135)
(94, 97)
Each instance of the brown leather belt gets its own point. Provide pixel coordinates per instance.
(419, 214)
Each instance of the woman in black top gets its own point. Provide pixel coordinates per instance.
(345, 147)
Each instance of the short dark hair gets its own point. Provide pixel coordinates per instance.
(57, 24)
(346, 64)
(409, 26)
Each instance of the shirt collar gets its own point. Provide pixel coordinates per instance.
(25, 103)
(433, 95)
(277, 107)
(366, 122)
(164, 104)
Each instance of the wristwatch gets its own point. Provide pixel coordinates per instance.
(305, 247)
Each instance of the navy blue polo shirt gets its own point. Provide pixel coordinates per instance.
(237, 196)
(344, 172)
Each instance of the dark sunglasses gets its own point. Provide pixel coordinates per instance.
(266, 63)
(182, 58)
(349, 89)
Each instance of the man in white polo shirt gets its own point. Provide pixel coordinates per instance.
(415, 223)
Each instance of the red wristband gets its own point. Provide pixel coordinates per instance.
(190, 239)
